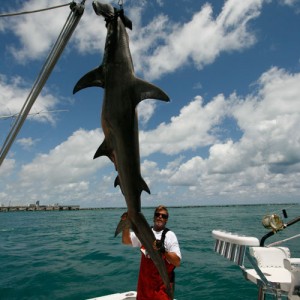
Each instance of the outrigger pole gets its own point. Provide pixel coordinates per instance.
(62, 40)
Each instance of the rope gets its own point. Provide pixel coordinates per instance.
(63, 38)
(120, 2)
(282, 241)
(34, 11)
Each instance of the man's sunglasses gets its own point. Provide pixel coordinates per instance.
(164, 216)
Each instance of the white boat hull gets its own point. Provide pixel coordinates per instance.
(118, 296)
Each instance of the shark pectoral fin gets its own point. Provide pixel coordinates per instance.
(103, 150)
(144, 186)
(92, 78)
(148, 90)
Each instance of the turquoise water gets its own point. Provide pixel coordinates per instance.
(73, 254)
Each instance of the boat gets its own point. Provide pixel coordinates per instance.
(118, 296)
(270, 267)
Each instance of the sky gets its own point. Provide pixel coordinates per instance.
(229, 135)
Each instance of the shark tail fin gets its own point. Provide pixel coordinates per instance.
(92, 78)
(147, 90)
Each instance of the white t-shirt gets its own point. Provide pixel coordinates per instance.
(171, 243)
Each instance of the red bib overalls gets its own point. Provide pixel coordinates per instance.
(150, 285)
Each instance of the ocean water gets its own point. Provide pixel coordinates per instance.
(73, 254)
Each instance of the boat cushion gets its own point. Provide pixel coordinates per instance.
(271, 263)
(270, 257)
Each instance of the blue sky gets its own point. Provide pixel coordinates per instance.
(230, 134)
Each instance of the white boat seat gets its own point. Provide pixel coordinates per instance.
(271, 263)
(293, 265)
(272, 269)
(271, 257)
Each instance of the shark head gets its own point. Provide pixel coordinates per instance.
(110, 13)
(104, 10)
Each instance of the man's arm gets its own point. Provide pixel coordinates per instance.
(173, 258)
(126, 236)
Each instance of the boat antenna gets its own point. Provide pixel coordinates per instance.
(62, 40)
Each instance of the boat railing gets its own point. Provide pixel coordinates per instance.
(271, 268)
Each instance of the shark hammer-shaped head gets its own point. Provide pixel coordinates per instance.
(109, 13)
(104, 10)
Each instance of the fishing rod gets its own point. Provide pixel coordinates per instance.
(275, 223)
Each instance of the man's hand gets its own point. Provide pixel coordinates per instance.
(158, 246)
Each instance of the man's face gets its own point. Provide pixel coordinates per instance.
(160, 219)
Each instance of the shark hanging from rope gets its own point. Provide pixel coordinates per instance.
(123, 91)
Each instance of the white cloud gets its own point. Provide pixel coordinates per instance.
(157, 47)
(292, 3)
(27, 143)
(65, 173)
(67, 163)
(189, 130)
(46, 30)
(203, 37)
(43, 25)
(7, 167)
(263, 162)
(14, 92)
(266, 159)
(145, 110)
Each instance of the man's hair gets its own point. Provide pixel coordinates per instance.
(161, 207)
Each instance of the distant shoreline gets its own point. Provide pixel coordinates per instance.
(22, 208)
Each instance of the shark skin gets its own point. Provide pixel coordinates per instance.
(123, 91)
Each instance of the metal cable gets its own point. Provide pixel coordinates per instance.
(62, 40)
(33, 11)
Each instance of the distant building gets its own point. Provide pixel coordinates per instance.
(38, 207)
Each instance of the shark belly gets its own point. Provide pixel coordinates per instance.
(120, 126)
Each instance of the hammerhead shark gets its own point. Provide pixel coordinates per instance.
(123, 91)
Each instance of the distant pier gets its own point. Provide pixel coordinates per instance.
(35, 207)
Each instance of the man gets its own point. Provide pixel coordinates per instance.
(150, 285)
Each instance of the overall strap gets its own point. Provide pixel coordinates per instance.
(163, 235)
